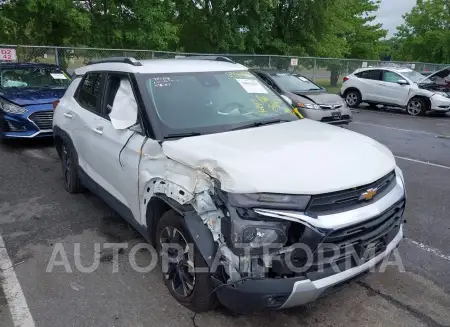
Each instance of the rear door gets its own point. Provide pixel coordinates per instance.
(391, 92)
(369, 84)
(86, 115)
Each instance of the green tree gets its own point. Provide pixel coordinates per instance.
(350, 33)
(427, 26)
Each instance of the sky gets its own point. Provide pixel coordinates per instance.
(391, 11)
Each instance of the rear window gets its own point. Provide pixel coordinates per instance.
(370, 74)
(34, 77)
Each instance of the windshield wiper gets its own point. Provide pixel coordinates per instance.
(259, 123)
(180, 135)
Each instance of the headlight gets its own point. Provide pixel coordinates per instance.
(445, 95)
(253, 235)
(12, 108)
(269, 201)
(308, 106)
(245, 230)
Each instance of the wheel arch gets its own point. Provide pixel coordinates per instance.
(202, 236)
(424, 98)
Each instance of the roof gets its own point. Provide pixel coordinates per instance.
(162, 66)
(25, 64)
(395, 69)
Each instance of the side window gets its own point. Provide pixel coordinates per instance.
(370, 74)
(112, 86)
(89, 91)
(391, 77)
(120, 104)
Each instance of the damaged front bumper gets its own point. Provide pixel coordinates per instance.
(376, 226)
(257, 295)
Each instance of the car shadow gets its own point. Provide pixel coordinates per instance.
(36, 143)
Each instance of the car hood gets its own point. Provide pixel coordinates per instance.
(441, 73)
(300, 157)
(318, 98)
(31, 96)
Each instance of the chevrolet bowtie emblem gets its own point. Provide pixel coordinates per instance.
(369, 194)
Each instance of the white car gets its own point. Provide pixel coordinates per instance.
(213, 169)
(398, 87)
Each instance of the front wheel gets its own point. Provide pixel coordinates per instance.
(416, 107)
(180, 259)
(353, 98)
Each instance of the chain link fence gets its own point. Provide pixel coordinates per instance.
(325, 71)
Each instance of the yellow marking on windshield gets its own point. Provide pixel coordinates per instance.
(239, 74)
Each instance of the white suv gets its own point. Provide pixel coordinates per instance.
(398, 87)
(213, 169)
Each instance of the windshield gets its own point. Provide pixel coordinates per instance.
(414, 76)
(33, 77)
(293, 83)
(213, 101)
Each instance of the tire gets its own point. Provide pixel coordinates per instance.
(416, 107)
(197, 293)
(353, 98)
(69, 164)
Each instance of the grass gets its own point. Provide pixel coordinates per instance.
(326, 84)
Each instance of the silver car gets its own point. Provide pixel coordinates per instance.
(312, 100)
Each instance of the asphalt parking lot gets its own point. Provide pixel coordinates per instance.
(36, 214)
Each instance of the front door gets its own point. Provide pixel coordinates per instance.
(115, 154)
(391, 92)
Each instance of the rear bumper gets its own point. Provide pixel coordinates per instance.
(269, 294)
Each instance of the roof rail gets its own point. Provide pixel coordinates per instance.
(124, 60)
(215, 58)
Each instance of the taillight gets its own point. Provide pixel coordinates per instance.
(346, 79)
(55, 104)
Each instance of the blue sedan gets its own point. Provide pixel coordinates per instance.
(27, 94)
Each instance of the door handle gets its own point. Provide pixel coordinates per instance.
(68, 115)
(98, 130)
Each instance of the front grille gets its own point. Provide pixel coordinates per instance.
(43, 119)
(325, 204)
(330, 107)
(370, 236)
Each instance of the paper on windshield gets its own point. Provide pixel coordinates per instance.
(302, 79)
(251, 85)
(58, 76)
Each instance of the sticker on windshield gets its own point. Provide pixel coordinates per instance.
(58, 76)
(302, 79)
(251, 85)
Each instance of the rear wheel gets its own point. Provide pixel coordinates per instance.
(72, 183)
(416, 107)
(190, 288)
(353, 98)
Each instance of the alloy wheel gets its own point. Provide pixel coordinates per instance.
(351, 98)
(180, 268)
(414, 108)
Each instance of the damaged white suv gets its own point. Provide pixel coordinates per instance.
(247, 204)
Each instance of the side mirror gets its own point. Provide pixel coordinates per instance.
(288, 100)
(402, 82)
